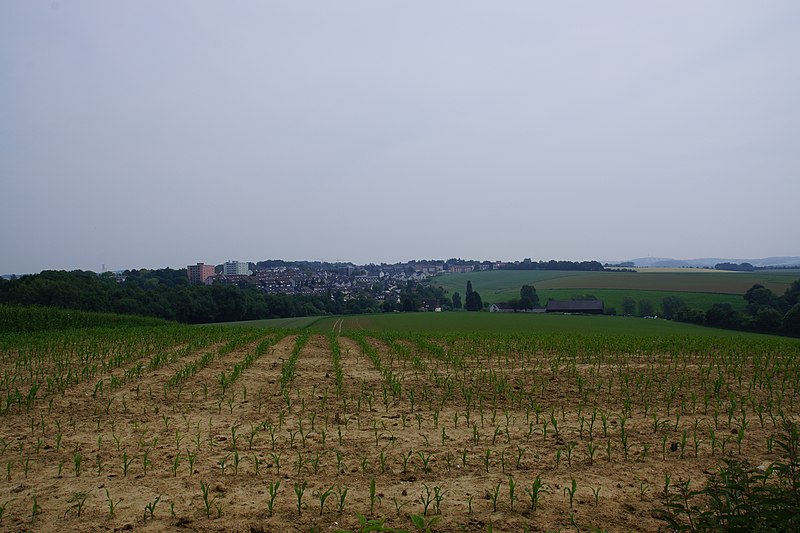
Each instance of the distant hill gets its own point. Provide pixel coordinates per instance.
(666, 262)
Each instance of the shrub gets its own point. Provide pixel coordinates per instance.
(740, 497)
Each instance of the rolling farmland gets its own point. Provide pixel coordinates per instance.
(218, 428)
(697, 287)
(519, 323)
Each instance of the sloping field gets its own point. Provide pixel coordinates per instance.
(723, 282)
(522, 323)
(502, 285)
(238, 429)
(286, 323)
(614, 297)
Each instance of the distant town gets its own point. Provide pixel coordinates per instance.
(381, 282)
(377, 282)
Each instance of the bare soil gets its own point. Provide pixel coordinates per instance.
(119, 448)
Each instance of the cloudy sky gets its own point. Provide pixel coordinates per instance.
(152, 134)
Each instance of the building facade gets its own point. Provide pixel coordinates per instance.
(199, 273)
(236, 268)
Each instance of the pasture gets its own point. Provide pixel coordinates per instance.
(219, 428)
(698, 287)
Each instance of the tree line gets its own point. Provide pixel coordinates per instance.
(765, 311)
(527, 264)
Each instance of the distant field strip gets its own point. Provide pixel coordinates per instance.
(277, 323)
(725, 283)
(614, 297)
(464, 322)
(494, 286)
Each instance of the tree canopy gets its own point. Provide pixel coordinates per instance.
(473, 300)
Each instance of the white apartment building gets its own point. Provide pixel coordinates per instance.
(236, 268)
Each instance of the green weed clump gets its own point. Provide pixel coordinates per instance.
(740, 497)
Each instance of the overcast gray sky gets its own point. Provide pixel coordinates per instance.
(152, 133)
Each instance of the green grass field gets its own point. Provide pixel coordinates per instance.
(277, 323)
(699, 288)
(463, 322)
(613, 297)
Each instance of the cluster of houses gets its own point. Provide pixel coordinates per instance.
(379, 282)
(382, 282)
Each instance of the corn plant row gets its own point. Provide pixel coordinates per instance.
(193, 367)
(288, 368)
(389, 377)
(336, 354)
(226, 380)
(158, 360)
(104, 353)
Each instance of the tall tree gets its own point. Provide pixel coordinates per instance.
(670, 305)
(528, 297)
(456, 301)
(628, 306)
(473, 299)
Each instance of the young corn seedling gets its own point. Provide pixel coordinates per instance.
(150, 508)
(494, 494)
(191, 457)
(405, 458)
(299, 490)
(146, 461)
(276, 460)
(322, 496)
(341, 496)
(425, 458)
(520, 454)
(570, 491)
(76, 459)
(35, 508)
(78, 499)
(223, 463)
(423, 524)
(382, 461)
(126, 463)
(207, 502)
(596, 494)
(175, 463)
(3, 510)
(512, 485)
(426, 498)
(372, 497)
(112, 505)
(272, 488)
(643, 489)
(340, 466)
(570, 446)
(592, 448)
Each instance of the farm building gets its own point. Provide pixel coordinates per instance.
(508, 308)
(594, 307)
